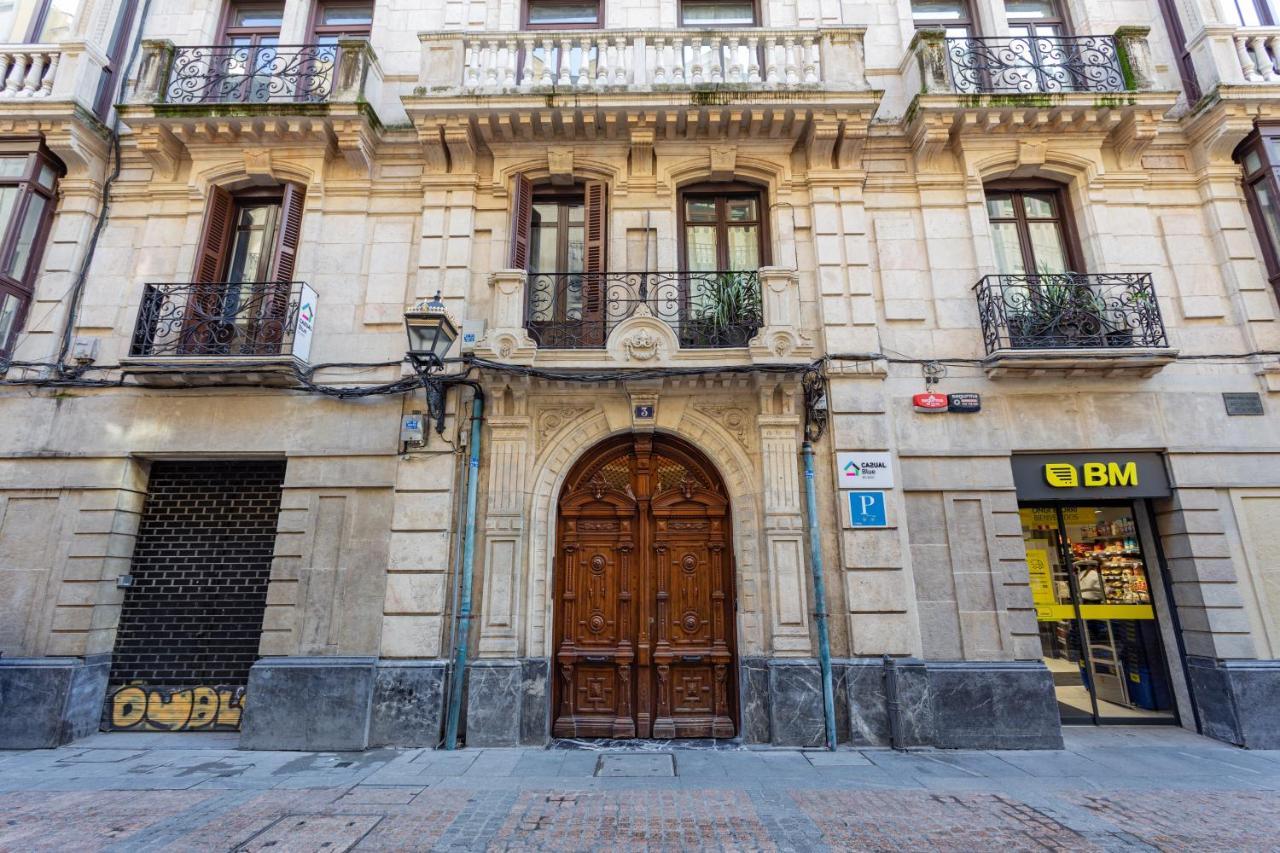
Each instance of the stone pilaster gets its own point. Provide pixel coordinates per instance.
(509, 438)
(784, 527)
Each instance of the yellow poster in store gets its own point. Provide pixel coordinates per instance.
(1079, 515)
(1041, 583)
(1038, 516)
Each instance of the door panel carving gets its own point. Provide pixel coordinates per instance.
(644, 583)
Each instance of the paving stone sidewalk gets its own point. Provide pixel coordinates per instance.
(1110, 789)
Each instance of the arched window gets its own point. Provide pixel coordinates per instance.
(28, 179)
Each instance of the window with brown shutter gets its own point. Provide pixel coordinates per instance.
(244, 270)
(521, 221)
(563, 244)
(214, 237)
(595, 248)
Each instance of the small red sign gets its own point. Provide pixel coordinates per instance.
(929, 403)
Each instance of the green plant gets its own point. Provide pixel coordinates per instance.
(729, 300)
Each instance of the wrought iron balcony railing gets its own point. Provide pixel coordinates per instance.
(224, 319)
(706, 310)
(251, 75)
(1069, 311)
(1035, 64)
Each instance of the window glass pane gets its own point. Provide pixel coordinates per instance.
(933, 11)
(1273, 148)
(26, 237)
(577, 244)
(1038, 205)
(742, 210)
(1004, 239)
(1252, 162)
(258, 16)
(12, 167)
(700, 243)
(8, 197)
(250, 243)
(724, 13)
(1046, 246)
(47, 177)
(700, 210)
(15, 20)
(9, 305)
(1268, 213)
(58, 21)
(562, 13)
(744, 247)
(1031, 10)
(339, 16)
(999, 206)
(1245, 11)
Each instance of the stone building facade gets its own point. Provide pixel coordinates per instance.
(682, 240)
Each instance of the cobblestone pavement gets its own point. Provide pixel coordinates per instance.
(1110, 789)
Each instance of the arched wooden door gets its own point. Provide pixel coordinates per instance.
(644, 596)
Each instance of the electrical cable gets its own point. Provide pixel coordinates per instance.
(104, 210)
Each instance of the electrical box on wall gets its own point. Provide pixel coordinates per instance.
(413, 429)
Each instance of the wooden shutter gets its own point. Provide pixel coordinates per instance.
(521, 221)
(215, 237)
(275, 310)
(594, 253)
(290, 231)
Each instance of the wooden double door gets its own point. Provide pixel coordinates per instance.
(644, 596)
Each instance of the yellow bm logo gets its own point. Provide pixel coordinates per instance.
(1063, 475)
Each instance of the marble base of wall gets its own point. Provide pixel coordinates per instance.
(1238, 700)
(409, 703)
(507, 703)
(321, 704)
(46, 702)
(949, 704)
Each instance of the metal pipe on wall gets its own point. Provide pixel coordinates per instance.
(819, 598)
(458, 677)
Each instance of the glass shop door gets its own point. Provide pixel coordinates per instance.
(1093, 600)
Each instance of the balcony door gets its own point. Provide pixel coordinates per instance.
(331, 23)
(239, 301)
(724, 247)
(558, 237)
(248, 68)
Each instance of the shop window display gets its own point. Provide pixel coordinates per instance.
(1093, 598)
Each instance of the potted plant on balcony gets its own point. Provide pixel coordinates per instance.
(1058, 310)
(724, 310)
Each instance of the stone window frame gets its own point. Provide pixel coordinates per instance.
(22, 288)
(755, 15)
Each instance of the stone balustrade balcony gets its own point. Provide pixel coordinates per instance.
(742, 60)
(68, 73)
(480, 89)
(1237, 62)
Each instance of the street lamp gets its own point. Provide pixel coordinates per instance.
(431, 333)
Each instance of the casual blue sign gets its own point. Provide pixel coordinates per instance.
(866, 509)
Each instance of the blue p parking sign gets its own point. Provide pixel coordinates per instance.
(867, 509)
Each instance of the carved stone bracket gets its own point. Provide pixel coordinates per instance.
(782, 336)
(642, 339)
(507, 339)
(560, 166)
(158, 144)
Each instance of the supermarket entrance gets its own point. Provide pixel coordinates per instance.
(1095, 583)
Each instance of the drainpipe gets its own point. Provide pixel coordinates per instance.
(457, 682)
(819, 599)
